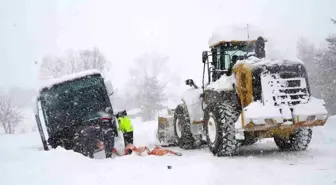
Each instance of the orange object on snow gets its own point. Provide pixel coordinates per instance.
(158, 151)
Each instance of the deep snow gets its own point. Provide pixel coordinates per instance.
(23, 163)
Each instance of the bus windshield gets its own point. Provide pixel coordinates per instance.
(68, 103)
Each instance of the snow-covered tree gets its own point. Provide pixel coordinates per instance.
(328, 73)
(321, 66)
(10, 114)
(150, 97)
(308, 53)
(72, 62)
(146, 87)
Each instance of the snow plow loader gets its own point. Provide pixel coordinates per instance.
(77, 113)
(244, 97)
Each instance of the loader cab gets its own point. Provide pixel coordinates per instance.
(225, 54)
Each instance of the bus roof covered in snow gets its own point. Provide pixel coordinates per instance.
(52, 82)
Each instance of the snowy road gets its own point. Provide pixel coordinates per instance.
(262, 163)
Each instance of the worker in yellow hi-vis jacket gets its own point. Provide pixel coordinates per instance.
(125, 126)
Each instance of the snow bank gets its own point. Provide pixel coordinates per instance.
(22, 163)
(222, 84)
(52, 82)
(234, 32)
(145, 132)
(325, 135)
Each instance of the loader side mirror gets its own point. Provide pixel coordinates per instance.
(204, 56)
(191, 83)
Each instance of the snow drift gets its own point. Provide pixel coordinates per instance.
(22, 163)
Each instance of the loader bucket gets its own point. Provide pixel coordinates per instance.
(165, 132)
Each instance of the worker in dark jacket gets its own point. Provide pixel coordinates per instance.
(125, 126)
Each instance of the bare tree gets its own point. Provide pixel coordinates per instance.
(92, 59)
(72, 61)
(54, 66)
(10, 114)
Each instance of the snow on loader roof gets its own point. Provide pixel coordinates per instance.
(233, 33)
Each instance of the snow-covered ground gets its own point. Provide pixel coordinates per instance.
(23, 163)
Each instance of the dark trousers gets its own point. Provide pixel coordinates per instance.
(128, 139)
(109, 143)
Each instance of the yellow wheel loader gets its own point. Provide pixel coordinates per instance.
(244, 97)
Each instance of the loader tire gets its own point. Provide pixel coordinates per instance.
(297, 141)
(182, 131)
(219, 127)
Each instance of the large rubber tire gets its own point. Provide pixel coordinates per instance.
(297, 141)
(182, 131)
(223, 116)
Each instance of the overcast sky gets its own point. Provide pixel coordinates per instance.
(126, 29)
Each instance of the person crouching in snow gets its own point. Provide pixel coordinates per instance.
(126, 127)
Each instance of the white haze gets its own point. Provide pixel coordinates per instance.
(124, 30)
